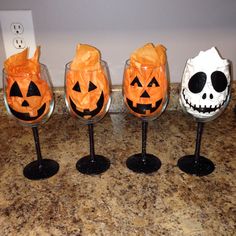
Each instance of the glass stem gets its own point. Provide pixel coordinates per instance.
(37, 147)
(144, 139)
(91, 142)
(198, 142)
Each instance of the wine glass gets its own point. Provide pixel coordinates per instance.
(28, 98)
(87, 95)
(145, 92)
(204, 96)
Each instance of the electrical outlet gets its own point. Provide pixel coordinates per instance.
(17, 31)
(17, 28)
(19, 43)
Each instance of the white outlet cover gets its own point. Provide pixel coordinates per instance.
(17, 31)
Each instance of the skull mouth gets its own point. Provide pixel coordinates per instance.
(26, 116)
(142, 108)
(86, 112)
(204, 109)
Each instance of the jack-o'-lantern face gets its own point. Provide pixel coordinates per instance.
(145, 90)
(28, 98)
(87, 92)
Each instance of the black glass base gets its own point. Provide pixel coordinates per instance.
(88, 167)
(48, 169)
(137, 164)
(204, 167)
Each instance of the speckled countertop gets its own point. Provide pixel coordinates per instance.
(119, 202)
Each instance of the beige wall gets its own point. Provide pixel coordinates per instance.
(117, 27)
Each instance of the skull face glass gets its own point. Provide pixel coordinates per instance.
(204, 95)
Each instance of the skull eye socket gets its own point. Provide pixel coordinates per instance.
(77, 87)
(197, 82)
(15, 90)
(153, 83)
(136, 81)
(33, 90)
(219, 81)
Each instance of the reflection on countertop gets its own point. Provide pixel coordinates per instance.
(118, 202)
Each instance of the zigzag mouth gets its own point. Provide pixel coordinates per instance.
(87, 112)
(204, 109)
(142, 108)
(26, 116)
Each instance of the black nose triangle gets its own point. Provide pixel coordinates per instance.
(145, 95)
(25, 104)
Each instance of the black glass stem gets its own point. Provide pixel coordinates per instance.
(91, 142)
(144, 140)
(196, 164)
(40, 168)
(143, 162)
(92, 164)
(37, 147)
(200, 126)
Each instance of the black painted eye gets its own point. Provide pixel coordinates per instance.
(33, 90)
(136, 81)
(92, 86)
(197, 82)
(219, 81)
(15, 90)
(77, 87)
(153, 81)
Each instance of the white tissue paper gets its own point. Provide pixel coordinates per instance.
(205, 86)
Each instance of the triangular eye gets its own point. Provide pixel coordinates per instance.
(15, 90)
(136, 81)
(92, 86)
(33, 90)
(153, 82)
(77, 87)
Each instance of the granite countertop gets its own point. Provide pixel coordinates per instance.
(119, 202)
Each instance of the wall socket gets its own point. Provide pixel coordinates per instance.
(17, 31)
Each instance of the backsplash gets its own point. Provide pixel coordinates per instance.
(117, 105)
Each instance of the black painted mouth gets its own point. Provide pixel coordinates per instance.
(142, 108)
(204, 109)
(87, 112)
(26, 116)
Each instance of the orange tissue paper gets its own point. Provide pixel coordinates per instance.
(28, 95)
(145, 81)
(87, 84)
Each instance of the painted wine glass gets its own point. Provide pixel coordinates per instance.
(88, 97)
(145, 92)
(29, 99)
(205, 93)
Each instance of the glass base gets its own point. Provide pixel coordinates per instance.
(33, 172)
(88, 167)
(204, 167)
(137, 164)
